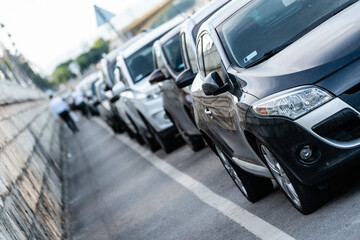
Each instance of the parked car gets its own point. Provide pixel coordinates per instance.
(104, 106)
(278, 92)
(87, 88)
(141, 102)
(108, 65)
(170, 54)
(108, 62)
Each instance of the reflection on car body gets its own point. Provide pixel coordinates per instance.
(175, 57)
(292, 114)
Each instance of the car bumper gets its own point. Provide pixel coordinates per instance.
(155, 114)
(333, 150)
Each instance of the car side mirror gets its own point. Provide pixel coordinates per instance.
(156, 77)
(109, 95)
(213, 85)
(185, 78)
(114, 98)
(107, 88)
(118, 88)
(117, 75)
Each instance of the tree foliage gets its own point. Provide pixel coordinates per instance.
(62, 73)
(94, 54)
(35, 77)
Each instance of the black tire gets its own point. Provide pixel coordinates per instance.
(129, 132)
(117, 124)
(195, 142)
(309, 199)
(253, 187)
(137, 135)
(167, 143)
(152, 143)
(117, 128)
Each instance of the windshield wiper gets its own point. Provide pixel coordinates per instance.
(270, 53)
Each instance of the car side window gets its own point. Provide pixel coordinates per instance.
(200, 57)
(191, 53)
(172, 53)
(212, 60)
(102, 92)
(160, 64)
(184, 51)
(122, 77)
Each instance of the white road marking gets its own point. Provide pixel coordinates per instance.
(257, 226)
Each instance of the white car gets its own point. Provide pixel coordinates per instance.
(140, 102)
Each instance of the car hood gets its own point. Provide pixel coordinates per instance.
(325, 50)
(144, 86)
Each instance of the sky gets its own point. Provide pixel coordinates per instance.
(50, 31)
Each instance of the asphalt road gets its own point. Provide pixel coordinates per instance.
(119, 190)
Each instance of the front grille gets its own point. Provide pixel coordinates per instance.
(343, 126)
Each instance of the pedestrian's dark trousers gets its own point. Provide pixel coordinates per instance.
(69, 121)
(84, 109)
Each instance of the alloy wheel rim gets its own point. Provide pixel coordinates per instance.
(232, 171)
(280, 175)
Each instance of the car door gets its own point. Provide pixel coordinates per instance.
(121, 104)
(218, 114)
(172, 62)
(167, 86)
(103, 107)
(128, 99)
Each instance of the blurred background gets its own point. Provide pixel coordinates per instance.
(46, 44)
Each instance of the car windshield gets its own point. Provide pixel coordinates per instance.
(141, 63)
(172, 51)
(264, 27)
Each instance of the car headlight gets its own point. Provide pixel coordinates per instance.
(156, 93)
(292, 103)
(153, 95)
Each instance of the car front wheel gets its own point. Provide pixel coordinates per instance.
(305, 199)
(252, 187)
(196, 143)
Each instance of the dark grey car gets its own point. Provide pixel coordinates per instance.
(278, 92)
(176, 101)
(175, 62)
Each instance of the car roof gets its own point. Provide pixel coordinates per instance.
(203, 12)
(189, 25)
(223, 14)
(88, 79)
(175, 31)
(114, 53)
(154, 34)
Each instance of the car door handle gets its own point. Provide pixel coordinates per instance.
(207, 112)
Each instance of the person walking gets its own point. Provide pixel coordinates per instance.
(59, 108)
(79, 102)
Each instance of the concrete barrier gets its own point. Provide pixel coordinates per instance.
(30, 166)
